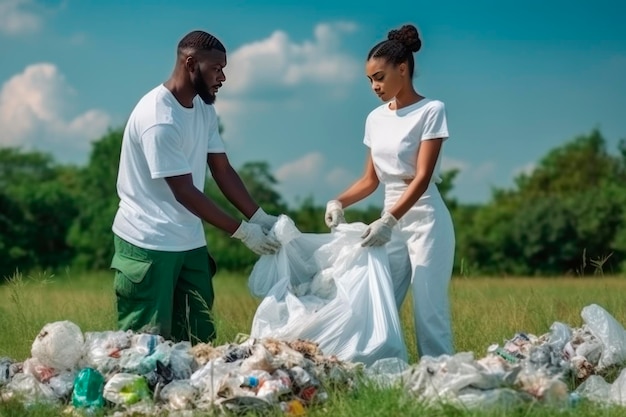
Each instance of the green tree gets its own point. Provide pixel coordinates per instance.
(582, 164)
(572, 204)
(90, 234)
(38, 205)
(12, 253)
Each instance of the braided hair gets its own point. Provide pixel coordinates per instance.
(199, 41)
(399, 47)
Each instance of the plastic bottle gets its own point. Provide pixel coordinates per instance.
(249, 381)
(574, 399)
(88, 389)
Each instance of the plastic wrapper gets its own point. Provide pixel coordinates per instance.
(34, 367)
(209, 379)
(102, 350)
(88, 389)
(6, 372)
(127, 389)
(182, 361)
(30, 390)
(62, 384)
(179, 395)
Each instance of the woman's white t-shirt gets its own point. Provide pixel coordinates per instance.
(163, 139)
(394, 137)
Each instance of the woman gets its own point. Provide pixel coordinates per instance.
(405, 136)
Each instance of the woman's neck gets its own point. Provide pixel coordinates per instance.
(404, 99)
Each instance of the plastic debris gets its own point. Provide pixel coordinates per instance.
(58, 345)
(128, 373)
(88, 389)
(7, 370)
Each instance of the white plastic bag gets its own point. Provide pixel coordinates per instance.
(294, 262)
(59, 345)
(596, 389)
(610, 332)
(358, 323)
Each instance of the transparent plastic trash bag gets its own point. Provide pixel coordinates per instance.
(328, 289)
(610, 332)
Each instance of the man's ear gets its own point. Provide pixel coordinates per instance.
(190, 63)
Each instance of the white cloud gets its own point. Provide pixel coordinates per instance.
(309, 176)
(33, 113)
(18, 17)
(279, 63)
(267, 75)
(303, 170)
(305, 177)
(339, 177)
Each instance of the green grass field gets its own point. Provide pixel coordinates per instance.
(485, 311)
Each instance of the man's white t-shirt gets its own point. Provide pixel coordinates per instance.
(163, 139)
(394, 138)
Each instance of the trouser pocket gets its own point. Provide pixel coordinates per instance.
(132, 277)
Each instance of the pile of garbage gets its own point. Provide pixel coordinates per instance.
(127, 373)
(525, 368)
(139, 373)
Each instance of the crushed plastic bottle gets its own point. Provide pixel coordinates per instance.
(88, 389)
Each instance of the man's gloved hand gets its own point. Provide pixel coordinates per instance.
(334, 214)
(266, 221)
(379, 232)
(253, 237)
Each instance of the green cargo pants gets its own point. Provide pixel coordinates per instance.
(168, 293)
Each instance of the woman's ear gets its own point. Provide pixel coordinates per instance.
(403, 68)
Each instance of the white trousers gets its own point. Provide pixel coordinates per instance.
(421, 254)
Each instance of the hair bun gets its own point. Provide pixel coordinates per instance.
(408, 36)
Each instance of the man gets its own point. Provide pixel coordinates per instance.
(163, 279)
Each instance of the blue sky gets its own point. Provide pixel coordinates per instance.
(517, 80)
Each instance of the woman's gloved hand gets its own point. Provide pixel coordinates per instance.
(379, 232)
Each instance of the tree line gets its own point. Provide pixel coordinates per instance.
(566, 217)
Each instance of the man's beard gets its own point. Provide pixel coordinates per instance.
(203, 90)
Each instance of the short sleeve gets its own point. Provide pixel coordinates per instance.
(366, 136)
(215, 143)
(162, 147)
(435, 123)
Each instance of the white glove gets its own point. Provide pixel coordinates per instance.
(266, 221)
(379, 232)
(334, 214)
(253, 237)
